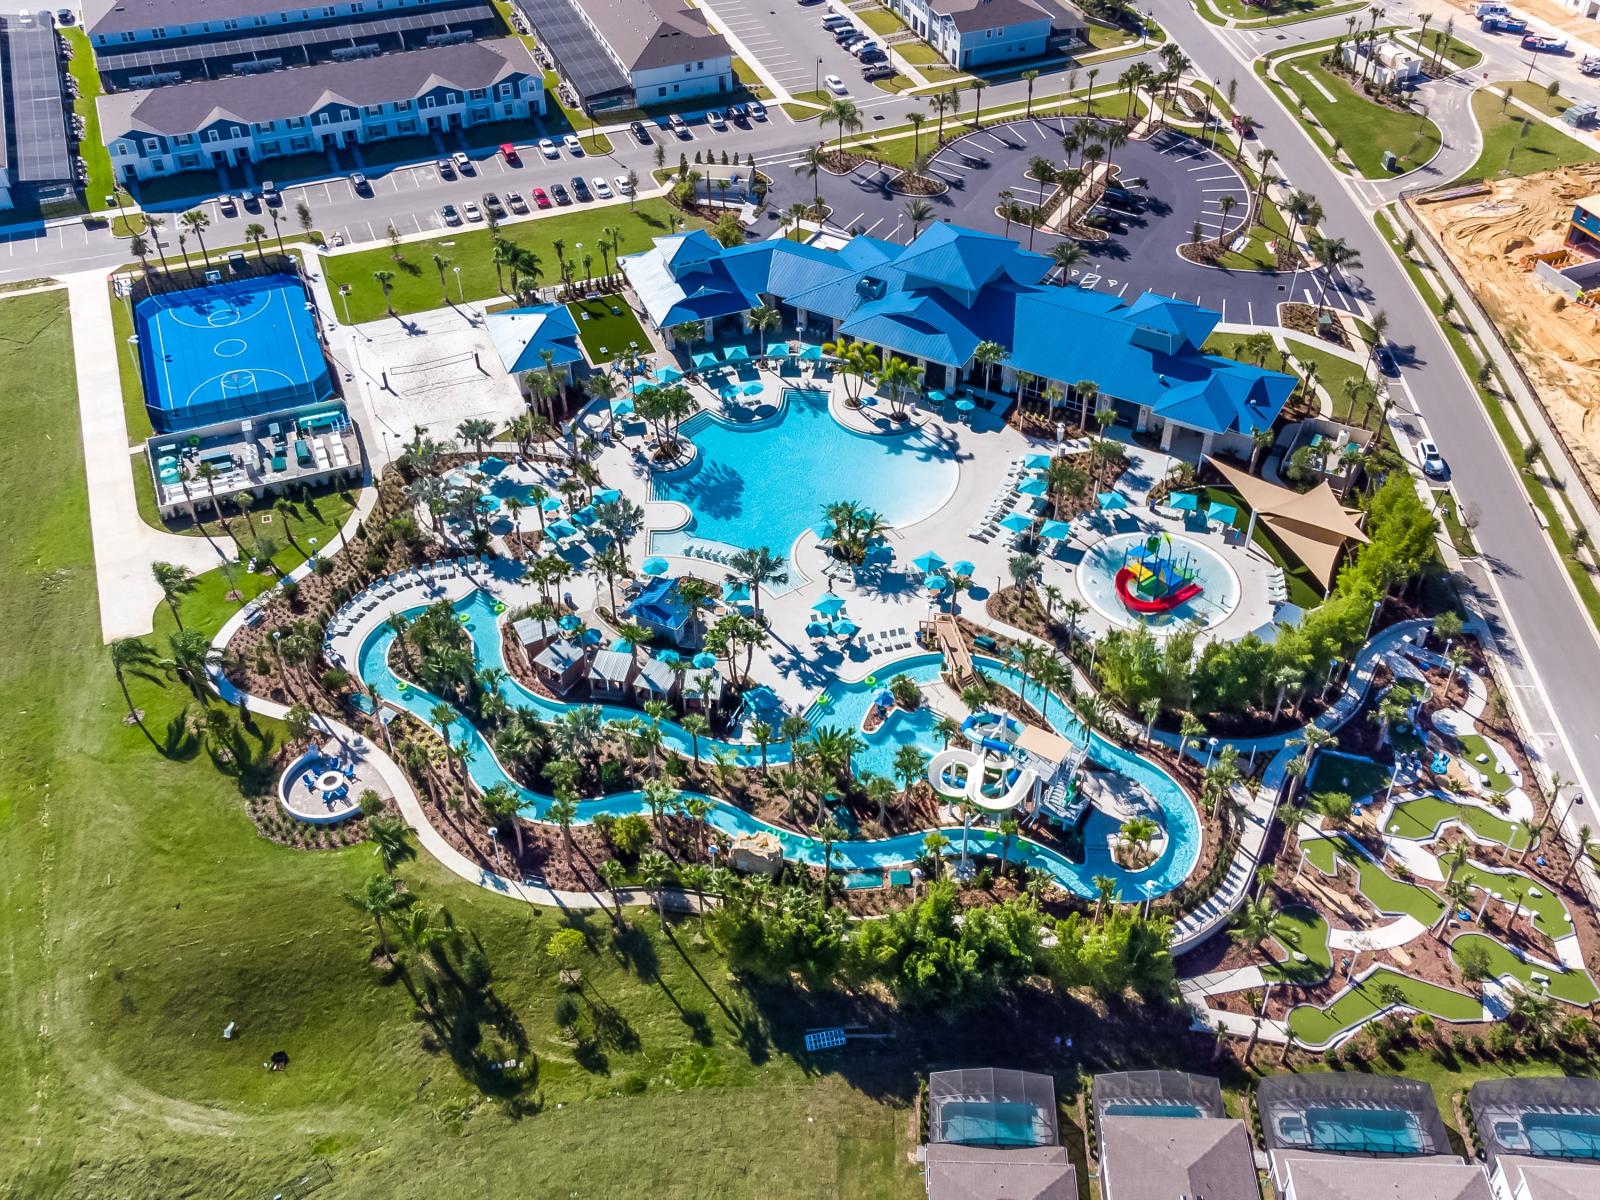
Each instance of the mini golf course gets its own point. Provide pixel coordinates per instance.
(1549, 915)
(1316, 1027)
(1385, 893)
(1300, 930)
(1575, 987)
(1422, 818)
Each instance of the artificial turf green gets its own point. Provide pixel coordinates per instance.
(1387, 894)
(1298, 928)
(606, 327)
(1317, 1026)
(1574, 987)
(1421, 818)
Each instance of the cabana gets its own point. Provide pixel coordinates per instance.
(1313, 526)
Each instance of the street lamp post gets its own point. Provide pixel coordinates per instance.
(344, 299)
(1211, 748)
(816, 82)
(460, 298)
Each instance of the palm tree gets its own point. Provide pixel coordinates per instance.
(154, 224)
(989, 355)
(1043, 171)
(1028, 77)
(756, 567)
(918, 211)
(132, 654)
(898, 377)
(1226, 205)
(655, 871)
(941, 103)
(441, 263)
(385, 281)
(257, 233)
(828, 833)
(846, 116)
(197, 222)
(612, 875)
(1006, 196)
(388, 834)
(1066, 255)
(380, 899)
(175, 583)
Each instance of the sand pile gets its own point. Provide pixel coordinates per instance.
(1557, 344)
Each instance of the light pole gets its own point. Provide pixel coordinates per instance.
(1061, 436)
(816, 81)
(344, 299)
(460, 298)
(1211, 748)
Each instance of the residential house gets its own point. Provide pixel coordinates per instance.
(977, 33)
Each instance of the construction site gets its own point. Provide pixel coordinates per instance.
(1522, 246)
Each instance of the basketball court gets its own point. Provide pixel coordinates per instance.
(229, 350)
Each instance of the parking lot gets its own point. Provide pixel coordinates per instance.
(788, 39)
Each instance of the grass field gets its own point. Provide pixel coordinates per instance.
(93, 148)
(880, 20)
(1456, 51)
(1538, 96)
(1548, 913)
(1363, 129)
(606, 334)
(1517, 144)
(1315, 1026)
(1472, 746)
(1422, 817)
(1356, 777)
(416, 282)
(1298, 929)
(1387, 894)
(1575, 987)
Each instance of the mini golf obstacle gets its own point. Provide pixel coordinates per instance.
(1151, 581)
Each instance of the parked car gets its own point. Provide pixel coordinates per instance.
(602, 189)
(834, 21)
(516, 203)
(559, 192)
(739, 114)
(640, 133)
(758, 110)
(580, 189)
(252, 202)
(271, 194)
(850, 37)
(446, 168)
(1432, 462)
(359, 182)
(228, 206)
(451, 214)
(835, 85)
(548, 148)
(472, 211)
(492, 205)
(541, 198)
(509, 153)
(65, 16)
(572, 145)
(463, 163)
(715, 119)
(1124, 201)
(872, 54)
(879, 71)
(623, 185)
(679, 126)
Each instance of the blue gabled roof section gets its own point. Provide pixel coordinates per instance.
(521, 335)
(681, 250)
(919, 325)
(965, 260)
(1188, 322)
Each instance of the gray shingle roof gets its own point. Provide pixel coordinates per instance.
(118, 16)
(1547, 1180)
(990, 14)
(559, 656)
(275, 95)
(979, 1173)
(1159, 1158)
(655, 33)
(1343, 1177)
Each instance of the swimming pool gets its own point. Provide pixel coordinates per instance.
(1352, 1130)
(1097, 580)
(1553, 1134)
(765, 484)
(992, 1123)
(840, 704)
(1137, 1108)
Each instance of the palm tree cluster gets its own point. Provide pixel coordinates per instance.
(851, 529)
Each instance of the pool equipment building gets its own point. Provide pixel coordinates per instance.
(1009, 764)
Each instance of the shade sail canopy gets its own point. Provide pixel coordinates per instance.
(702, 361)
(668, 375)
(1037, 462)
(778, 349)
(1313, 526)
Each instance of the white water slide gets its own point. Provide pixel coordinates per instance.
(970, 766)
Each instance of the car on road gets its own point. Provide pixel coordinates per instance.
(509, 152)
(492, 205)
(602, 189)
(472, 211)
(516, 203)
(572, 145)
(560, 194)
(359, 182)
(716, 120)
(451, 214)
(65, 16)
(541, 198)
(446, 168)
(1387, 363)
(228, 206)
(758, 110)
(1431, 461)
(624, 185)
(548, 148)
(463, 163)
(580, 189)
(835, 85)
(640, 133)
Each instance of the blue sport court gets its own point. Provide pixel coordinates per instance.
(228, 351)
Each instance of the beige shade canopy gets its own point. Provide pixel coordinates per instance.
(1312, 525)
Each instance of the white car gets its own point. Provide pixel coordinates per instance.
(472, 211)
(463, 163)
(548, 148)
(602, 189)
(835, 85)
(1431, 460)
(624, 188)
(573, 145)
(716, 120)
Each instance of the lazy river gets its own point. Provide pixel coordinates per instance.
(840, 704)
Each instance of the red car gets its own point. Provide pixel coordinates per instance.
(540, 198)
(509, 153)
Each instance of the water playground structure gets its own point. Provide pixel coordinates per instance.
(1008, 764)
(1151, 581)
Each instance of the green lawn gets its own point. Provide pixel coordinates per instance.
(1298, 929)
(749, 80)
(1537, 95)
(1548, 913)
(416, 282)
(1472, 746)
(606, 334)
(1456, 51)
(1575, 987)
(1422, 817)
(880, 20)
(1316, 1026)
(144, 913)
(1386, 893)
(93, 148)
(1363, 128)
(1517, 144)
(1356, 777)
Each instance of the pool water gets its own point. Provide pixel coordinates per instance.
(992, 1123)
(1136, 1109)
(843, 705)
(765, 484)
(1562, 1135)
(1363, 1130)
(1097, 580)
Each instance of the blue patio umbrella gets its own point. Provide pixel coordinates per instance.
(584, 516)
(1034, 486)
(1037, 462)
(1112, 500)
(817, 629)
(928, 563)
(591, 637)
(640, 386)
(777, 349)
(962, 569)
(752, 389)
(1184, 501)
(935, 583)
(937, 396)
(736, 593)
(810, 352)
(829, 605)
(609, 496)
(560, 529)
(703, 361)
(668, 375)
(655, 565)
(704, 661)
(622, 407)
(1221, 512)
(1057, 531)
(669, 657)
(550, 503)
(569, 622)
(736, 354)
(964, 405)
(728, 393)
(846, 628)
(1017, 522)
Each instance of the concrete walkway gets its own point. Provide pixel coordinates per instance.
(124, 546)
(1385, 937)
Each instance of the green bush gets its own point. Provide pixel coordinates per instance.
(629, 836)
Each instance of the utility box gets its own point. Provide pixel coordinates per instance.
(1390, 162)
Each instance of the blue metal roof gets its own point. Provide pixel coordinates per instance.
(964, 260)
(520, 335)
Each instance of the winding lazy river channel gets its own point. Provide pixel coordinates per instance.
(842, 704)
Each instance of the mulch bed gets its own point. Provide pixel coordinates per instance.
(1302, 318)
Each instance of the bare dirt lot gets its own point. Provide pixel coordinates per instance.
(1558, 344)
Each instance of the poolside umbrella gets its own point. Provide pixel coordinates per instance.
(752, 389)
(585, 515)
(1034, 486)
(935, 583)
(1112, 500)
(550, 503)
(1017, 522)
(559, 530)
(736, 593)
(736, 354)
(654, 565)
(1058, 531)
(590, 637)
(1185, 501)
(810, 352)
(964, 405)
(829, 605)
(728, 393)
(817, 629)
(668, 375)
(704, 361)
(962, 569)
(777, 349)
(704, 661)
(1037, 462)
(846, 628)
(928, 563)
(669, 657)
(622, 407)
(937, 396)
(569, 622)
(641, 386)
(609, 496)
(1221, 512)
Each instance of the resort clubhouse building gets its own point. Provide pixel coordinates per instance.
(935, 301)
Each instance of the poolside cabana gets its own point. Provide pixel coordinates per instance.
(560, 664)
(609, 673)
(1313, 526)
(655, 680)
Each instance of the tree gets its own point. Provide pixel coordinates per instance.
(1029, 76)
(256, 233)
(844, 114)
(385, 280)
(656, 872)
(441, 263)
(175, 583)
(757, 567)
(132, 654)
(380, 899)
(197, 221)
(918, 211)
(1066, 255)
(389, 841)
(910, 766)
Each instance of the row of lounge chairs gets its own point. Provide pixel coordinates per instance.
(428, 577)
(884, 640)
